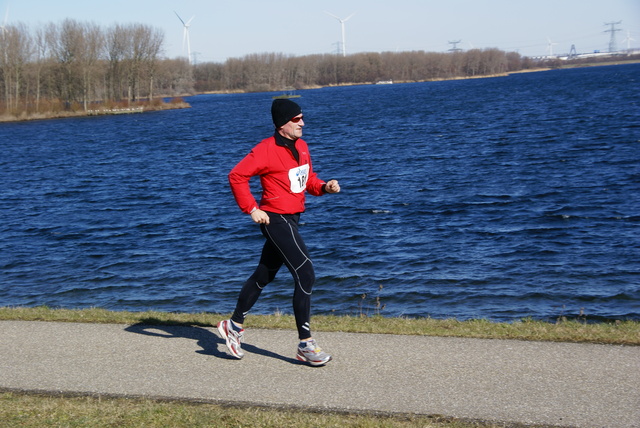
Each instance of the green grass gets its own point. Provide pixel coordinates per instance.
(614, 333)
(37, 411)
(42, 410)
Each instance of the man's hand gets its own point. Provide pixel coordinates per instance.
(259, 216)
(332, 186)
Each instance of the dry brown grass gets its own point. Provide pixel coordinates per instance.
(56, 111)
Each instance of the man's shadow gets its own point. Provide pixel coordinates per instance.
(207, 340)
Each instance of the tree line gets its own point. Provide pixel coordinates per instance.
(71, 65)
(68, 66)
(272, 71)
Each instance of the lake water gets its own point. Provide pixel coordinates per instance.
(497, 198)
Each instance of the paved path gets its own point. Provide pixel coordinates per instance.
(498, 380)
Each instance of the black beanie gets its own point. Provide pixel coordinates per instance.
(283, 110)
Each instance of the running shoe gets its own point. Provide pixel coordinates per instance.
(312, 354)
(233, 338)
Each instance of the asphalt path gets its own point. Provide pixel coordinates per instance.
(532, 383)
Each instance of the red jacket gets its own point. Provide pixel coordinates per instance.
(283, 179)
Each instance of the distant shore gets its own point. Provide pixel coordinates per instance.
(441, 79)
(178, 103)
(102, 111)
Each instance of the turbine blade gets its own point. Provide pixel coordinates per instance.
(179, 17)
(331, 14)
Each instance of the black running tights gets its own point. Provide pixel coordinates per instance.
(283, 245)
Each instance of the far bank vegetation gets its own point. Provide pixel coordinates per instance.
(74, 67)
(78, 67)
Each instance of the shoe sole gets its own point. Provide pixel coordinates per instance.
(224, 335)
(312, 363)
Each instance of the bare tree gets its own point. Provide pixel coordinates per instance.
(145, 48)
(92, 52)
(117, 41)
(66, 44)
(153, 52)
(40, 57)
(15, 52)
(133, 53)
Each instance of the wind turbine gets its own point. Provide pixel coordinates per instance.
(550, 46)
(342, 21)
(628, 39)
(3, 27)
(185, 35)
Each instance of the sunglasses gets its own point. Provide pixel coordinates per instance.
(297, 119)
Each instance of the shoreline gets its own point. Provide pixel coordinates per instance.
(7, 118)
(23, 117)
(437, 79)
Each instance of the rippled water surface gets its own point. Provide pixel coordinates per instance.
(496, 198)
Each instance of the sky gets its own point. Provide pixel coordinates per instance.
(222, 29)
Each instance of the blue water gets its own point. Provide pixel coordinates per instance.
(497, 198)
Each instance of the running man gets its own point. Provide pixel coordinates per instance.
(283, 164)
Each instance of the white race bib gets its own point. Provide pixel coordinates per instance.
(298, 178)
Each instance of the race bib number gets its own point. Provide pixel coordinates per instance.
(298, 178)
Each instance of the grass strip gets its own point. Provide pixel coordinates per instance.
(42, 410)
(577, 331)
